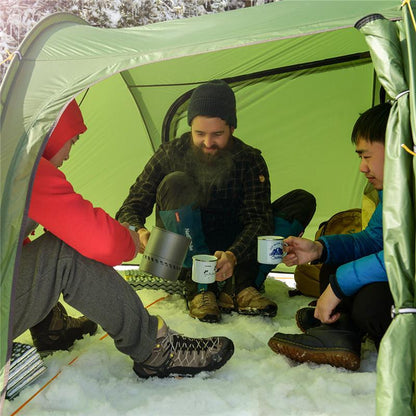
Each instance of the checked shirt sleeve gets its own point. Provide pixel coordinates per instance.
(256, 212)
(142, 195)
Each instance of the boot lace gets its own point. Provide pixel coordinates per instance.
(205, 299)
(185, 344)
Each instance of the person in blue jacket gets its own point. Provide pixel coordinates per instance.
(356, 300)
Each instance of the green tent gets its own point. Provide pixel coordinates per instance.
(300, 70)
(396, 364)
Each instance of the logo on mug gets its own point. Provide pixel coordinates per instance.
(204, 268)
(270, 249)
(276, 252)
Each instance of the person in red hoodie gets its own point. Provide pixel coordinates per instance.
(57, 331)
(74, 257)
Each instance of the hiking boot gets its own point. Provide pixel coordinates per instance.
(204, 307)
(322, 345)
(176, 354)
(58, 331)
(305, 319)
(251, 302)
(226, 302)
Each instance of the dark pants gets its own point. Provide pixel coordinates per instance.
(292, 213)
(369, 308)
(178, 190)
(297, 206)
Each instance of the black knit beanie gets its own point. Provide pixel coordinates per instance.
(213, 99)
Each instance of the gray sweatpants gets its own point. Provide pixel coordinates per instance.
(49, 267)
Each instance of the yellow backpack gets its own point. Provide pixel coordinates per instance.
(345, 222)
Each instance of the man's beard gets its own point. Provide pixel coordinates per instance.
(210, 171)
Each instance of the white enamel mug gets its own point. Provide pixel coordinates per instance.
(270, 249)
(204, 267)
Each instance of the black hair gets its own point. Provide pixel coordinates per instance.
(371, 125)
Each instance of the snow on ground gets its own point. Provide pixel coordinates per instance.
(255, 381)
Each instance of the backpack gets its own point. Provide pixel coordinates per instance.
(307, 275)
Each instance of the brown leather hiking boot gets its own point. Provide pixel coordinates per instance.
(204, 307)
(226, 302)
(58, 331)
(251, 302)
(175, 354)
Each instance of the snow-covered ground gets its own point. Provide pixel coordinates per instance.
(255, 381)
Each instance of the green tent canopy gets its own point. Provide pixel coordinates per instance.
(300, 70)
(396, 365)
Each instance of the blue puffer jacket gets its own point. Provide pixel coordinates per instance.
(361, 256)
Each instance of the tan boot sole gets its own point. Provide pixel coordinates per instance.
(271, 312)
(334, 357)
(210, 318)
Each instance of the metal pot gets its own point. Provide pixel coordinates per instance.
(164, 254)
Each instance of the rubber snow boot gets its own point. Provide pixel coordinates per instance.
(305, 319)
(186, 221)
(337, 344)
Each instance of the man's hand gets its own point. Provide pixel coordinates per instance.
(301, 251)
(326, 305)
(225, 265)
(144, 235)
(134, 236)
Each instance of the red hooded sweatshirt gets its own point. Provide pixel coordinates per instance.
(57, 207)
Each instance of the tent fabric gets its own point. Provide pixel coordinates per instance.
(394, 63)
(300, 71)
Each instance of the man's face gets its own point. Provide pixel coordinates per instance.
(372, 161)
(63, 154)
(210, 134)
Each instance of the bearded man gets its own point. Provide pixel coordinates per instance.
(212, 187)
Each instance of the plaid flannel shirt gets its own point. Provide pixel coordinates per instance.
(240, 208)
